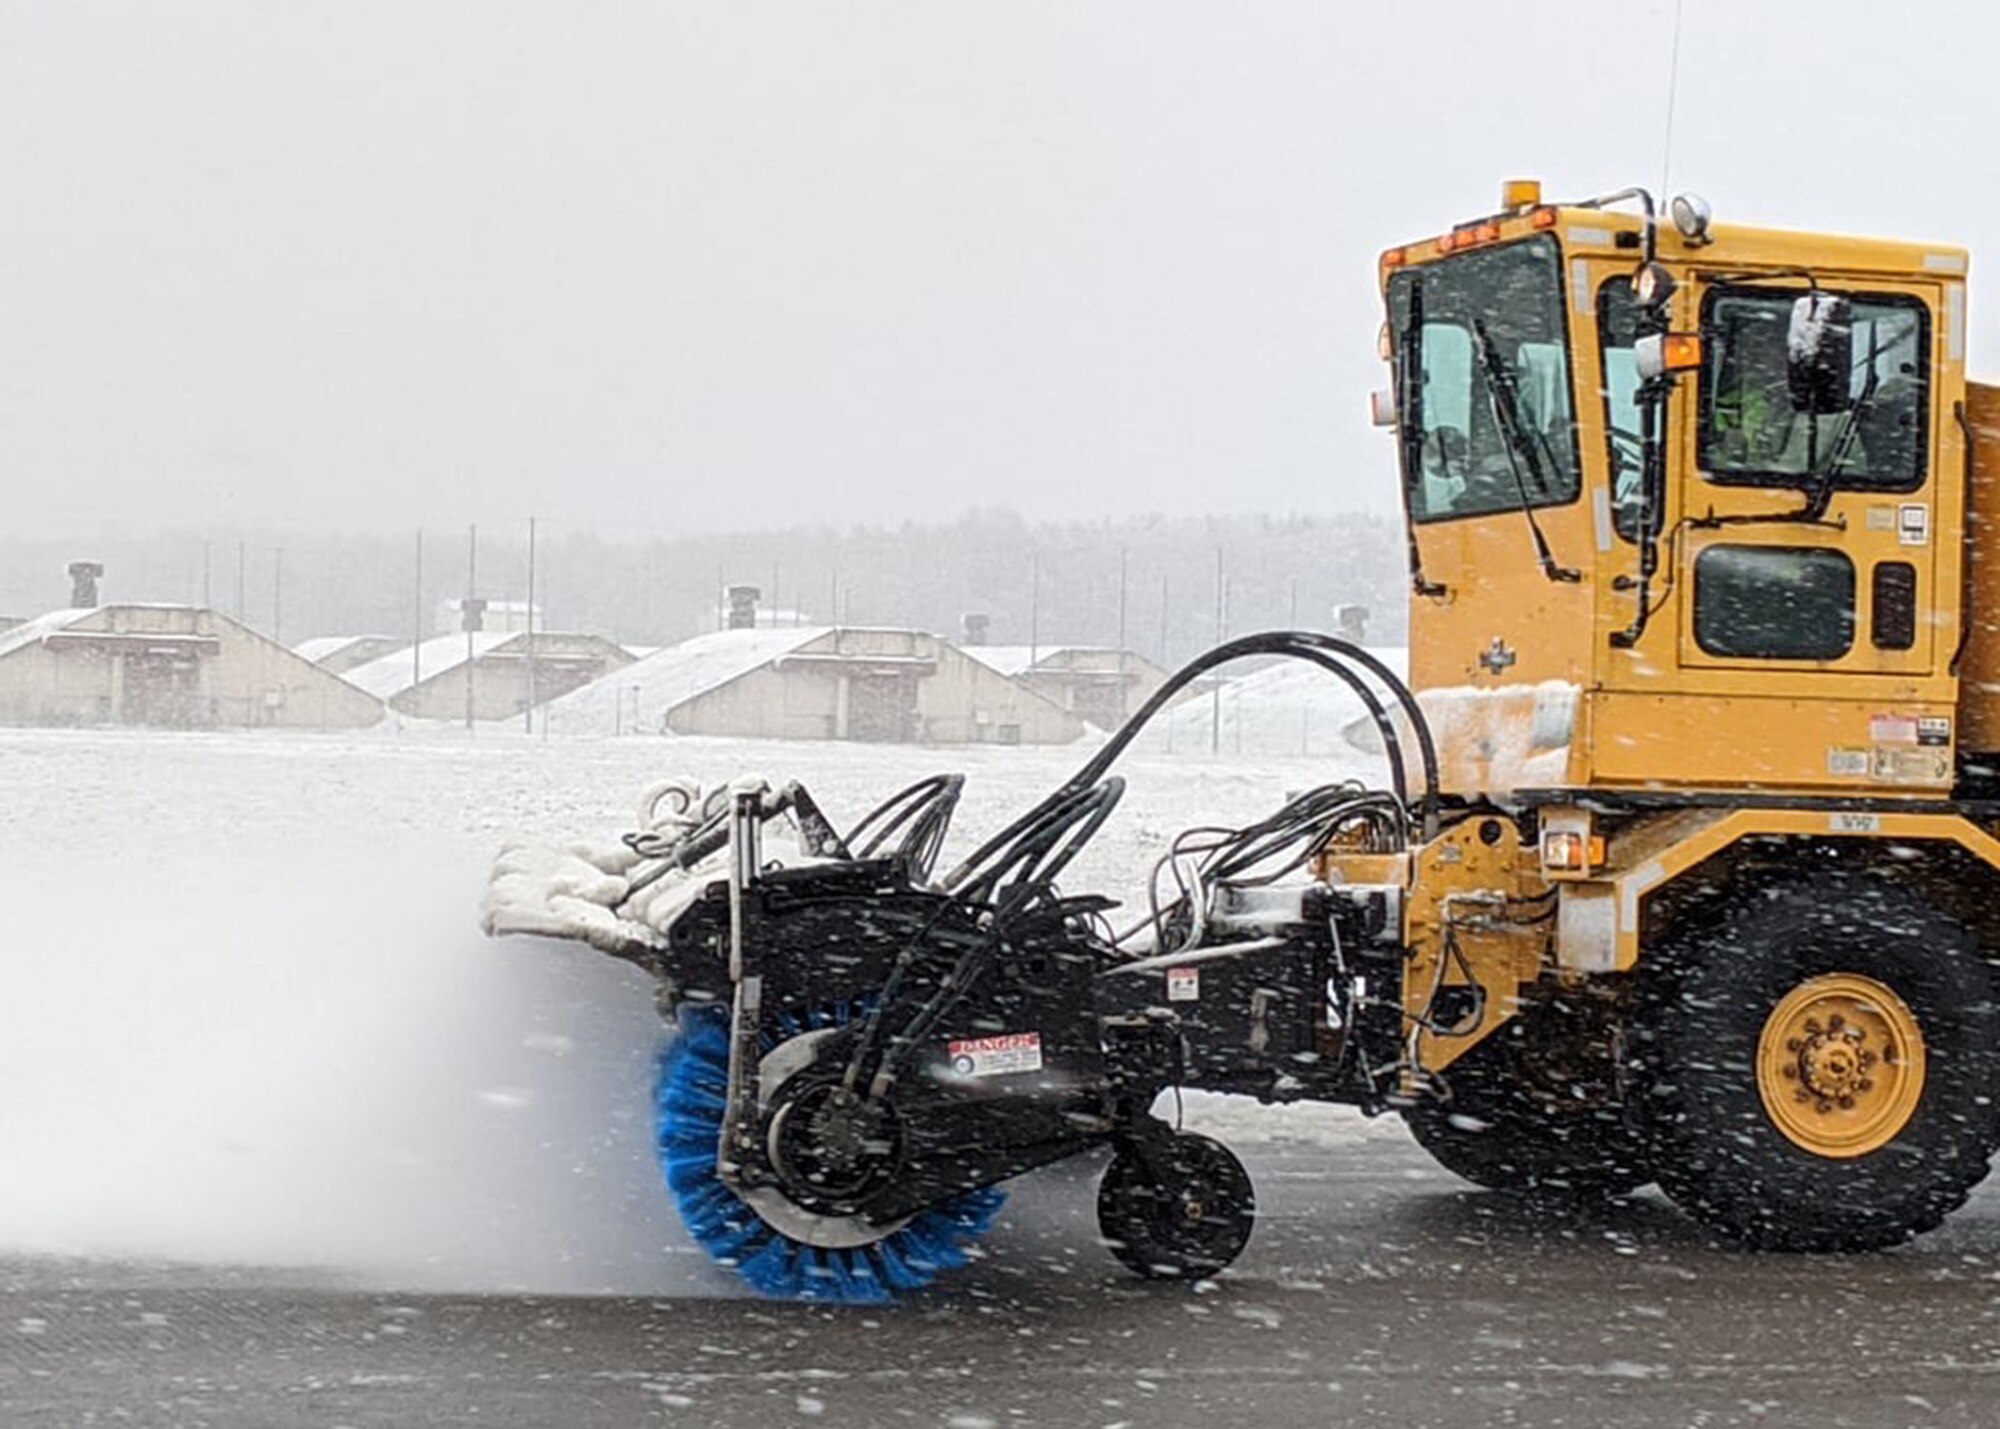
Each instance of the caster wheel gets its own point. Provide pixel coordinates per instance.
(1181, 1209)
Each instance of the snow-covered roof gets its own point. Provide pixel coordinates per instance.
(675, 675)
(391, 675)
(325, 647)
(1012, 660)
(29, 632)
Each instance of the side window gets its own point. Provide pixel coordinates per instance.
(1774, 602)
(1750, 431)
(1617, 330)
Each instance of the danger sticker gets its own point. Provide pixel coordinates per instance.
(1934, 729)
(1848, 763)
(1184, 984)
(1913, 525)
(997, 1056)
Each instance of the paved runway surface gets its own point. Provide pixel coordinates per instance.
(1377, 1290)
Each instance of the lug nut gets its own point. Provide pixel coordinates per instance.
(1789, 1072)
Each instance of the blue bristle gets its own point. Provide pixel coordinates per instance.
(776, 1270)
(894, 1269)
(689, 1101)
(929, 1241)
(842, 1277)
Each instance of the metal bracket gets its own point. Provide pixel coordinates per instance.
(738, 1145)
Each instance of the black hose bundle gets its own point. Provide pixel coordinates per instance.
(1341, 658)
(1203, 859)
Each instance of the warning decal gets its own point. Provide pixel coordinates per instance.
(1184, 984)
(997, 1056)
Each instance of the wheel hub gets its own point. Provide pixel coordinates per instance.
(832, 1148)
(802, 1201)
(1840, 1065)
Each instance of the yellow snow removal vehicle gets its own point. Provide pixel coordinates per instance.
(1684, 868)
(1700, 521)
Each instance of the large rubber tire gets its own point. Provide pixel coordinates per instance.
(1718, 1151)
(1182, 1212)
(1511, 1126)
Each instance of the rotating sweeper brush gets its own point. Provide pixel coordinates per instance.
(866, 1050)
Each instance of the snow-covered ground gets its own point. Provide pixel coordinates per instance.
(246, 1014)
(1288, 708)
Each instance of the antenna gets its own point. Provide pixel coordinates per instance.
(1673, 87)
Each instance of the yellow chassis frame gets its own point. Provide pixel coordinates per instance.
(1471, 898)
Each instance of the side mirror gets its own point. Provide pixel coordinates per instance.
(1819, 353)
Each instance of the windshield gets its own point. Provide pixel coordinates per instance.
(1464, 464)
(1751, 432)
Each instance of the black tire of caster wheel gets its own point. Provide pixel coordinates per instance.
(1715, 1047)
(1182, 1211)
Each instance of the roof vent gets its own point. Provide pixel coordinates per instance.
(743, 607)
(83, 578)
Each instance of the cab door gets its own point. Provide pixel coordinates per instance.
(1815, 631)
(1772, 588)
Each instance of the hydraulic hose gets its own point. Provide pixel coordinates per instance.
(1326, 651)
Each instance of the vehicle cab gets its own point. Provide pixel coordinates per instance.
(1685, 501)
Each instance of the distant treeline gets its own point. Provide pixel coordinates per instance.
(1053, 583)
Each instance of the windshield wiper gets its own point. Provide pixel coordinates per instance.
(1410, 430)
(1521, 450)
(1820, 494)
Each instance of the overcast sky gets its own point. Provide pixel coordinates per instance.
(648, 266)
